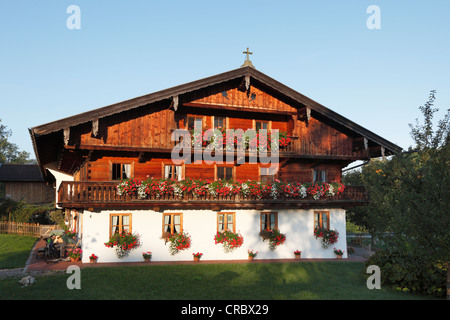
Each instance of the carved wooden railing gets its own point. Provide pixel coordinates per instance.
(93, 192)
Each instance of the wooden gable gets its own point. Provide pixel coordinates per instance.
(145, 124)
(233, 99)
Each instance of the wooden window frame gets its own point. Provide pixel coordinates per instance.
(120, 225)
(273, 177)
(202, 118)
(269, 124)
(172, 214)
(233, 171)
(213, 118)
(267, 213)
(225, 220)
(320, 221)
(111, 163)
(319, 172)
(164, 164)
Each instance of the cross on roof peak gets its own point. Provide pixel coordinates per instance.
(247, 62)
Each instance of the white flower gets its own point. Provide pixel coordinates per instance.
(274, 191)
(211, 190)
(302, 191)
(141, 191)
(330, 190)
(245, 189)
(177, 191)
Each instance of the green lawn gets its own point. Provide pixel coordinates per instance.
(14, 250)
(250, 281)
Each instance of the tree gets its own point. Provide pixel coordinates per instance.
(9, 152)
(410, 196)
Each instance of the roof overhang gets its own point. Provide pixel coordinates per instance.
(242, 74)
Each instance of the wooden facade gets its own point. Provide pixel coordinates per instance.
(25, 183)
(135, 136)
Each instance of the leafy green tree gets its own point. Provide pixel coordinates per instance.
(9, 152)
(410, 196)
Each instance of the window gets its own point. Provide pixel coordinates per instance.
(322, 219)
(173, 172)
(267, 174)
(224, 173)
(226, 221)
(261, 125)
(119, 223)
(192, 121)
(172, 223)
(120, 171)
(269, 220)
(220, 122)
(320, 176)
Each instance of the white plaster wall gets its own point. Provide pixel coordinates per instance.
(59, 177)
(298, 225)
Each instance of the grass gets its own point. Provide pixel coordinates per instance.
(249, 281)
(304, 280)
(14, 250)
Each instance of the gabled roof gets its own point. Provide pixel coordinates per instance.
(254, 74)
(20, 172)
(255, 77)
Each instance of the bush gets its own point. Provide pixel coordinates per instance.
(20, 211)
(408, 272)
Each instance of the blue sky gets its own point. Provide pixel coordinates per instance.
(323, 49)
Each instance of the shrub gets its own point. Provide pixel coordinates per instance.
(407, 272)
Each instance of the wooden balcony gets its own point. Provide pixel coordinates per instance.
(103, 195)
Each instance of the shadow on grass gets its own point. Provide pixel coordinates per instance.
(252, 281)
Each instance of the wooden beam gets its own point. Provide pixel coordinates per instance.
(237, 108)
(66, 135)
(174, 103)
(366, 146)
(95, 128)
(90, 155)
(304, 114)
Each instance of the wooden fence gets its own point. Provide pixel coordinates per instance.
(26, 229)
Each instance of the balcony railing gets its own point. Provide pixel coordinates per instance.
(92, 194)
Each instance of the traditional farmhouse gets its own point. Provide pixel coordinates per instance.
(200, 168)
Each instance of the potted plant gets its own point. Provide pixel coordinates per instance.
(197, 256)
(229, 239)
(93, 258)
(74, 254)
(297, 254)
(252, 254)
(147, 255)
(329, 237)
(339, 253)
(124, 243)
